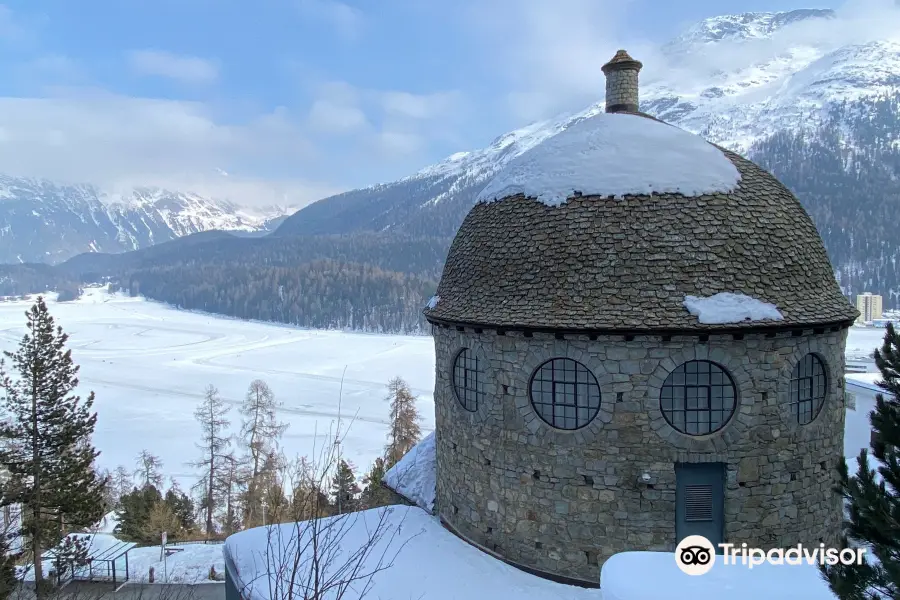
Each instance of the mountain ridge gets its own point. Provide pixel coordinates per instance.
(45, 221)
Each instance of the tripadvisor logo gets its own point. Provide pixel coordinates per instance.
(696, 555)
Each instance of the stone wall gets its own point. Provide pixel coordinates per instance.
(622, 88)
(564, 501)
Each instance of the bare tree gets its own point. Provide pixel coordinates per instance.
(260, 435)
(405, 430)
(229, 489)
(212, 414)
(314, 556)
(122, 483)
(149, 469)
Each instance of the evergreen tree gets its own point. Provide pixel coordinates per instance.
(344, 489)
(404, 429)
(161, 518)
(212, 414)
(873, 495)
(46, 436)
(374, 494)
(148, 469)
(182, 506)
(135, 512)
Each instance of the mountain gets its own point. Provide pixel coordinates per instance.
(780, 87)
(821, 113)
(42, 221)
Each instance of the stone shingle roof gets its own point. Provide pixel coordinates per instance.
(601, 264)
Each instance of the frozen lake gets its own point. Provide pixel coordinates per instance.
(149, 363)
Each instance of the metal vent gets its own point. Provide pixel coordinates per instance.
(698, 503)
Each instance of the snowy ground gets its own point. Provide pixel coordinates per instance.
(190, 565)
(426, 561)
(149, 363)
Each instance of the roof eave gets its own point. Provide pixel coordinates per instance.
(762, 328)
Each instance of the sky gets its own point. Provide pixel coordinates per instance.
(288, 101)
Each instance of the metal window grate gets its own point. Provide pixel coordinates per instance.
(698, 503)
(808, 388)
(467, 380)
(698, 397)
(565, 394)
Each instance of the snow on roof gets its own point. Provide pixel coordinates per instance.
(727, 307)
(414, 476)
(425, 561)
(433, 302)
(625, 577)
(613, 155)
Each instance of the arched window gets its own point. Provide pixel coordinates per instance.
(808, 388)
(698, 397)
(565, 394)
(468, 384)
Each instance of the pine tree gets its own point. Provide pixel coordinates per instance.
(404, 429)
(374, 494)
(212, 416)
(344, 489)
(161, 518)
(182, 506)
(135, 512)
(46, 436)
(873, 495)
(148, 469)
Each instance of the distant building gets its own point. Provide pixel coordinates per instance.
(869, 307)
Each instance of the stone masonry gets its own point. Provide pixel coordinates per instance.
(562, 502)
(622, 83)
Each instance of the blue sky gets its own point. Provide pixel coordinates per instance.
(295, 99)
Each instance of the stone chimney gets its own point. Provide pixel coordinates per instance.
(622, 83)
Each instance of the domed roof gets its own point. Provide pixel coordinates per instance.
(621, 223)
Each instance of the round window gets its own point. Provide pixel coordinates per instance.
(565, 394)
(698, 398)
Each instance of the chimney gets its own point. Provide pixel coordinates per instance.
(622, 83)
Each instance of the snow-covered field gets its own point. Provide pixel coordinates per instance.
(148, 364)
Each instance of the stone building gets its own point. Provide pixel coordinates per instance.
(624, 362)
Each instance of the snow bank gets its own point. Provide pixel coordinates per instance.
(426, 561)
(615, 155)
(654, 575)
(190, 565)
(414, 476)
(107, 524)
(726, 307)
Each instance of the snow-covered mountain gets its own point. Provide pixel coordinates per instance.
(41, 221)
(788, 89)
(735, 79)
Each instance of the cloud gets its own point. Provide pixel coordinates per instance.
(337, 109)
(384, 121)
(92, 136)
(187, 69)
(347, 20)
(547, 55)
(420, 106)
